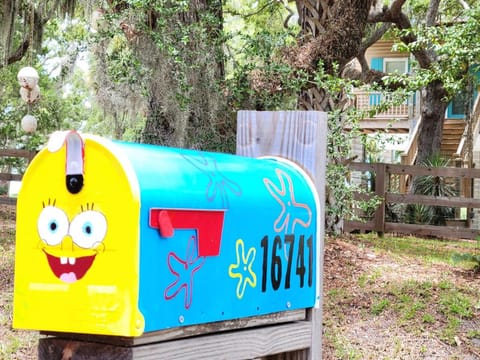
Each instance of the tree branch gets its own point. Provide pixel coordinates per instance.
(432, 12)
(393, 14)
(396, 7)
(19, 53)
(289, 16)
(377, 35)
(236, 13)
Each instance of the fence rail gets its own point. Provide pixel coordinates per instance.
(384, 175)
(6, 173)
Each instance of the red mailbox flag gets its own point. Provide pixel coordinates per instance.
(207, 223)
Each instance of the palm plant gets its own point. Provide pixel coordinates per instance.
(432, 185)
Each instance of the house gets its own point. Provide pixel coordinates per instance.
(402, 122)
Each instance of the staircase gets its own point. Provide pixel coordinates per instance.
(451, 145)
(452, 135)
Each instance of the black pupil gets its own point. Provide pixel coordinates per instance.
(88, 230)
(53, 226)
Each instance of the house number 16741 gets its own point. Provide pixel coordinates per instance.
(278, 263)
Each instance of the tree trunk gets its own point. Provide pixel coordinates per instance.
(331, 32)
(433, 117)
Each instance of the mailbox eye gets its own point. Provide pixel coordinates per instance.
(52, 225)
(88, 229)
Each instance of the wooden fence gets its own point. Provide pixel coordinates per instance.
(387, 179)
(7, 175)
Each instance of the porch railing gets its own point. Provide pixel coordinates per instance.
(366, 101)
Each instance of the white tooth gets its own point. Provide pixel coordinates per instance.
(71, 260)
(63, 260)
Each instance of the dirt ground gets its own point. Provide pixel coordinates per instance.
(355, 276)
(364, 335)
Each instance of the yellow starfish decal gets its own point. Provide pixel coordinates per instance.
(243, 268)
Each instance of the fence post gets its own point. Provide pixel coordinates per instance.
(380, 186)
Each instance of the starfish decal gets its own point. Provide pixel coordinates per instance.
(184, 271)
(284, 195)
(243, 268)
(218, 184)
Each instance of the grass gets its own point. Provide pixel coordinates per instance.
(428, 250)
(416, 303)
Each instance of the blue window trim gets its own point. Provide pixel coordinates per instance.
(451, 115)
(375, 64)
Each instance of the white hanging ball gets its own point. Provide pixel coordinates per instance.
(30, 95)
(97, 16)
(28, 77)
(29, 123)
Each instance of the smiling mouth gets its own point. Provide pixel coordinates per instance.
(69, 269)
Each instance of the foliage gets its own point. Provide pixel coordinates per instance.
(455, 47)
(341, 204)
(428, 185)
(260, 79)
(435, 185)
(162, 65)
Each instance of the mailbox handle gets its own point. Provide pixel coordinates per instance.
(74, 162)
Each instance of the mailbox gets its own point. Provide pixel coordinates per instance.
(118, 238)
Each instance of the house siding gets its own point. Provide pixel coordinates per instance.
(383, 49)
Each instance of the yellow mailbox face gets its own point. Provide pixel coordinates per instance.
(77, 255)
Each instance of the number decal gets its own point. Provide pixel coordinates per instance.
(276, 267)
(264, 245)
(290, 240)
(301, 261)
(273, 262)
(310, 260)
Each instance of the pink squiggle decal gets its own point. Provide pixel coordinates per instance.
(184, 271)
(218, 184)
(284, 194)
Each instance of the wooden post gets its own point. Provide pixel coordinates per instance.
(380, 186)
(299, 136)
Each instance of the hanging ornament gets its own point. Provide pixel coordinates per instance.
(96, 19)
(30, 96)
(28, 77)
(29, 123)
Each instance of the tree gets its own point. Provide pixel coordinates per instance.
(22, 23)
(335, 32)
(442, 41)
(172, 51)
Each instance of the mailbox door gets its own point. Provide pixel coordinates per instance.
(76, 265)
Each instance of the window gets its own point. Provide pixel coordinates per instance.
(387, 65)
(395, 65)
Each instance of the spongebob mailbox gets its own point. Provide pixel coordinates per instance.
(119, 238)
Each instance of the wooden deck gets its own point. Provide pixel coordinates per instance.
(394, 120)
